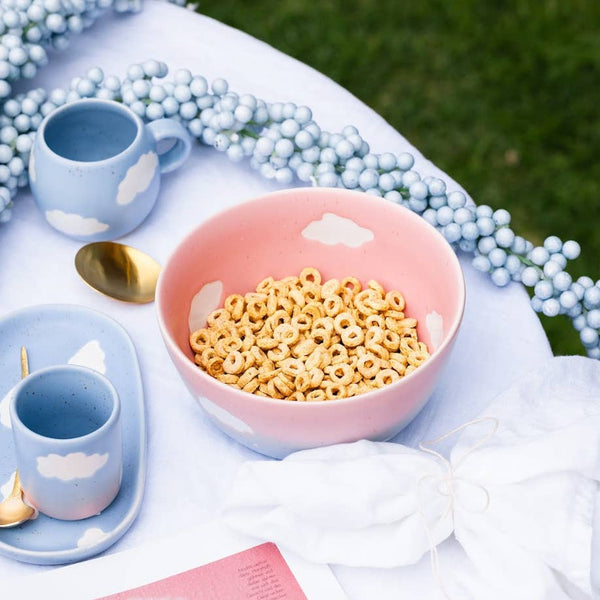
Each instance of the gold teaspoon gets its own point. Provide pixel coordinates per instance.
(13, 511)
(118, 271)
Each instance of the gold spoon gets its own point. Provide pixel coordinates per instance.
(13, 511)
(118, 271)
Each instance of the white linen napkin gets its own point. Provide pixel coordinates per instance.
(518, 492)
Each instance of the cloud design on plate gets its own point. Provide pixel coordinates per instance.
(225, 418)
(74, 224)
(435, 325)
(32, 173)
(76, 465)
(91, 536)
(138, 178)
(4, 408)
(90, 355)
(333, 229)
(203, 303)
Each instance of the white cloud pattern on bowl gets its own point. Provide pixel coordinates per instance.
(435, 325)
(225, 418)
(138, 178)
(74, 224)
(91, 536)
(203, 303)
(76, 465)
(332, 229)
(4, 408)
(90, 355)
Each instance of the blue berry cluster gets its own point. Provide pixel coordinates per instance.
(283, 142)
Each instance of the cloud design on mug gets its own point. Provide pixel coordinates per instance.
(91, 536)
(90, 355)
(4, 408)
(333, 229)
(32, 172)
(76, 465)
(74, 224)
(138, 178)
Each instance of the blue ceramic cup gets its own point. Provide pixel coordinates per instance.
(67, 432)
(94, 169)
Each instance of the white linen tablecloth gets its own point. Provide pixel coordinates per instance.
(501, 337)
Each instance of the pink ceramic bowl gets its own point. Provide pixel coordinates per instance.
(342, 233)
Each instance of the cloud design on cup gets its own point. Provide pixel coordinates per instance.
(203, 303)
(90, 355)
(74, 224)
(4, 408)
(32, 172)
(138, 178)
(76, 465)
(332, 229)
(91, 536)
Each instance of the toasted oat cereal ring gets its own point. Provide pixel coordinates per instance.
(235, 304)
(312, 293)
(323, 323)
(321, 336)
(386, 376)
(297, 297)
(398, 356)
(351, 284)
(333, 305)
(335, 391)
(423, 348)
(330, 288)
(234, 363)
(214, 366)
(340, 373)
(217, 316)
(292, 366)
(352, 390)
(302, 322)
(313, 310)
(280, 353)
(259, 355)
(342, 321)
(247, 376)
(315, 396)
(285, 304)
(283, 385)
(304, 348)
(254, 325)
(292, 282)
(208, 354)
(302, 381)
(376, 303)
(409, 346)
(394, 314)
(256, 310)
(272, 390)
(368, 365)
(279, 317)
(361, 317)
(375, 321)
(267, 373)
(379, 351)
(310, 275)
(297, 396)
(410, 369)
(266, 343)
(399, 367)
(376, 287)
(313, 359)
(251, 387)
(352, 336)
(271, 302)
(374, 335)
(408, 322)
(417, 359)
(200, 339)
(391, 340)
(226, 345)
(408, 333)
(286, 333)
(247, 336)
(228, 378)
(265, 285)
(316, 377)
(338, 353)
(395, 300)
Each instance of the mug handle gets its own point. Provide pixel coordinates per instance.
(170, 129)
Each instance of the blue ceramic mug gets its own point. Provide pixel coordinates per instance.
(66, 423)
(94, 169)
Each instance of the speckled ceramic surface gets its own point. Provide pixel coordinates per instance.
(70, 334)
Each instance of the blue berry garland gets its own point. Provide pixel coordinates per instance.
(282, 142)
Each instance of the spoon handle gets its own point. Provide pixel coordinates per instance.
(24, 363)
(17, 491)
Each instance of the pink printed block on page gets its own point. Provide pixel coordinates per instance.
(259, 573)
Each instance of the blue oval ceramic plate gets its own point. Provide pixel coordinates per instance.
(58, 334)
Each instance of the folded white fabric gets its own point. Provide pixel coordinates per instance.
(518, 492)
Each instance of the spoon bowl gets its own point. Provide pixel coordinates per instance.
(118, 271)
(13, 510)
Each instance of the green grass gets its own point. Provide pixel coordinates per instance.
(504, 96)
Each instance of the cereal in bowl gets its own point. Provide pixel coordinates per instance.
(305, 340)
